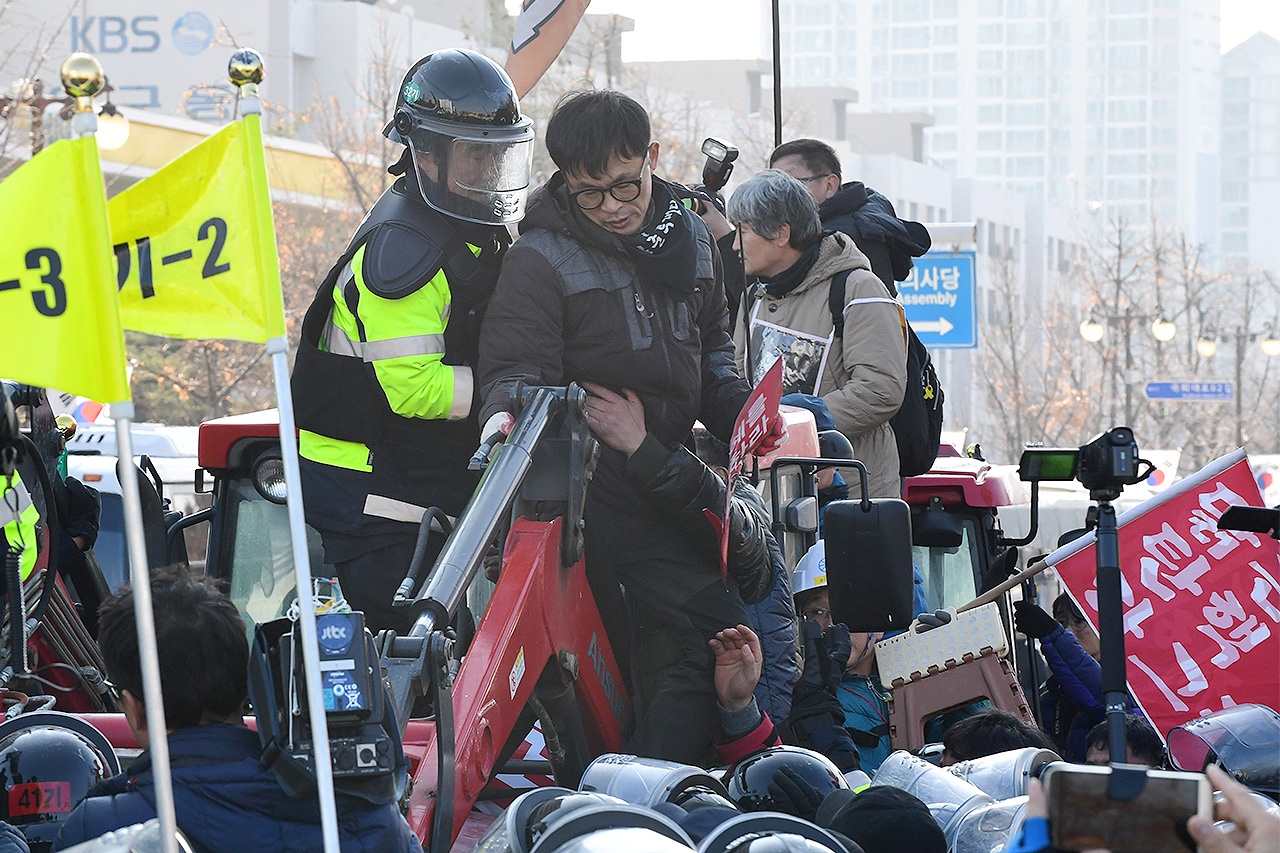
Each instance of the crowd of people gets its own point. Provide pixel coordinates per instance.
(430, 324)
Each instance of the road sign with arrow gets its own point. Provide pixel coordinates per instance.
(940, 300)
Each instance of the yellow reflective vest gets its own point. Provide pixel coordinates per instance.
(19, 517)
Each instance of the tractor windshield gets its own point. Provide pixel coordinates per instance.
(950, 574)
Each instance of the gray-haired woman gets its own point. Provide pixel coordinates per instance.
(859, 371)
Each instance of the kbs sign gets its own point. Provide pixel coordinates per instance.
(1201, 605)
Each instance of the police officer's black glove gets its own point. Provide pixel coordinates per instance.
(792, 795)
(1030, 619)
(826, 655)
(839, 648)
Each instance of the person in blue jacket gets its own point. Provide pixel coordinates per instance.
(1071, 699)
(223, 796)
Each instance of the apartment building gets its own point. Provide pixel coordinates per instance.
(1066, 101)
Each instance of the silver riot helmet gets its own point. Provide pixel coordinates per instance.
(472, 150)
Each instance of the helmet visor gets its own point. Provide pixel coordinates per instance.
(492, 166)
(485, 181)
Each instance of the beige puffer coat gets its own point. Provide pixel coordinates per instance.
(862, 377)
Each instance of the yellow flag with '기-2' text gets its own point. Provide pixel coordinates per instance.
(195, 244)
(57, 289)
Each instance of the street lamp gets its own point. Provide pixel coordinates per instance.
(29, 94)
(1271, 343)
(1091, 330)
(1208, 345)
(113, 128)
(1163, 329)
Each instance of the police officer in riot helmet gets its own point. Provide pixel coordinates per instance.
(383, 382)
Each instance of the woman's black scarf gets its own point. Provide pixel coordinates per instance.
(790, 278)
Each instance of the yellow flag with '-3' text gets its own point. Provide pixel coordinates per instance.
(57, 288)
(195, 244)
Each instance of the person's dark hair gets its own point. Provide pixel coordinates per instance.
(1139, 736)
(1065, 611)
(989, 732)
(882, 819)
(817, 155)
(204, 653)
(589, 127)
(713, 452)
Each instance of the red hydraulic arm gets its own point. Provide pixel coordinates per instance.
(540, 614)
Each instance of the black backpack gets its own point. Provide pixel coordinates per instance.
(918, 424)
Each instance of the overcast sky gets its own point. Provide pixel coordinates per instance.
(730, 29)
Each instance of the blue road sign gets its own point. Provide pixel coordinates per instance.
(1205, 392)
(940, 300)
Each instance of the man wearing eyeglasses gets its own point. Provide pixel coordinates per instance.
(854, 209)
(615, 283)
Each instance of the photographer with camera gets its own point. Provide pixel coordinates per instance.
(222, 793)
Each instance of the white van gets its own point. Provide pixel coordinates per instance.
(91, 458)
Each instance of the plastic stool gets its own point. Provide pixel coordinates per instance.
(956, 684)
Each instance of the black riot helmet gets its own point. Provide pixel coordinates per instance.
(48, 762)
(750, 778)
(471, 148)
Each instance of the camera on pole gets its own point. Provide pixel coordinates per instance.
(1104, 466)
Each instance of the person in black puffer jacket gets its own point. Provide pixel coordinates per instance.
(616, 285)
(854, 209)
(689, 489)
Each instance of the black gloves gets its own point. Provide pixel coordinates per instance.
(826, 655)
(1030, 619)
(791, 794)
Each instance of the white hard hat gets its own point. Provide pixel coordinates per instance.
(811, 571)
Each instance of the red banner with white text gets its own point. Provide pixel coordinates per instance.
(1201, 605)
(752, 425)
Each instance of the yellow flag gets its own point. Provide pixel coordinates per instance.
(57, 289)
(195, 244)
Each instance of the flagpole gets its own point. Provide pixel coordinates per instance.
(144, 618)
(82, 77)
(245, 70)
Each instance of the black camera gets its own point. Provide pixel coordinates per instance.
(364, 743)
(1110, 461)
(1106, 464)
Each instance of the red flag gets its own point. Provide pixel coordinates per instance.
(757, 416)
(542, 30)
(1201, 605)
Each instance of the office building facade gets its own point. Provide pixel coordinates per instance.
(1109, 104)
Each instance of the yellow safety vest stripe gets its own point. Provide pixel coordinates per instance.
(332, 451)
(21, 532)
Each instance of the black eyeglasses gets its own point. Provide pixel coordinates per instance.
(593, 197)
(812, 178)
(815, 613)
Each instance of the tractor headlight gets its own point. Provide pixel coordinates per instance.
(268, 478)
